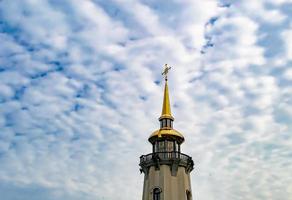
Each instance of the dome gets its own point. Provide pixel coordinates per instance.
(171, 133)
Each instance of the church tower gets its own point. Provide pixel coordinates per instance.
(166, 170)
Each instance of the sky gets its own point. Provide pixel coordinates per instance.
(81, 91)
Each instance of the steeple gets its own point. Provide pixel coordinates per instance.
(166, 110)
(167, 170)
(166, 119)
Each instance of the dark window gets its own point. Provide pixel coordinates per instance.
(156, 194)
(166, 123)
(189, 195)
(159, 146)
(169, 146)
(155, 147)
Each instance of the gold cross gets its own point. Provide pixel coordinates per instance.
(165, 71)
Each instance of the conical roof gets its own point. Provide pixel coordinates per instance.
(167, 131)
(166, 110)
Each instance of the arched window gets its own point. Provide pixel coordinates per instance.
(189, 195)
(156, 194)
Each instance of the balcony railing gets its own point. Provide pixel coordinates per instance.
(166, 158)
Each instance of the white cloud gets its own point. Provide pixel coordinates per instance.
(287, 39)
(78, 97)
(288, 74)
(260, 10)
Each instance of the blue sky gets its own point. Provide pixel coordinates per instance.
(80, 92)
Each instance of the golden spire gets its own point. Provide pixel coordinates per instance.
(166, 111)
(166, 118)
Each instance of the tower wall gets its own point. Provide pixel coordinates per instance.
(172, 187)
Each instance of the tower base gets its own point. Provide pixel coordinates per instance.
(177, 187)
